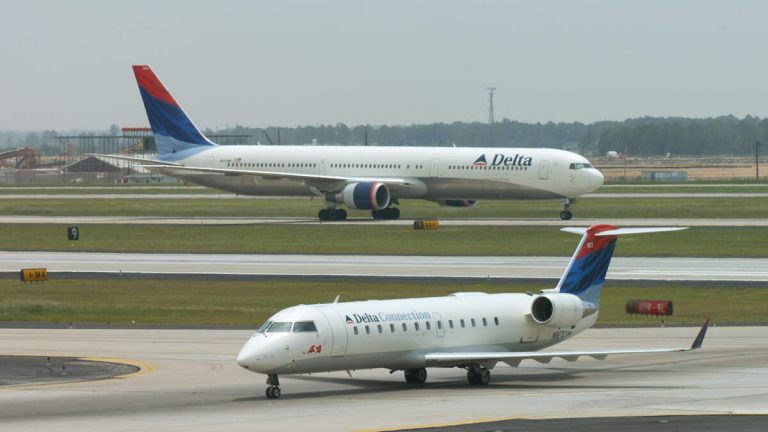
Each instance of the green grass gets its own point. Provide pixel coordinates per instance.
(374, 239)
(250, 303)
(297, 207)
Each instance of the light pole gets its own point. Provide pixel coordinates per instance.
(757, 161)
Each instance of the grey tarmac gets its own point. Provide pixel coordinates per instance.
(191, 382)
(433, 267)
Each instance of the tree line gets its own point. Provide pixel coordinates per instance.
(646, 136)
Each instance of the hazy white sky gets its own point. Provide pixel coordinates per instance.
(66, 64)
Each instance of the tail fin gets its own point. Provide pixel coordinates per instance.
(585, 274)
(173, 130)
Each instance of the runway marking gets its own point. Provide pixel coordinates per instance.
(144, 368)
(443, 425)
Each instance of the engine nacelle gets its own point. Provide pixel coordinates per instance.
(457, 203)
(364, 196)
(557, 310)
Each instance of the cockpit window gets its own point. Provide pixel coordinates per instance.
(264, 327)
(579, 165)
(279, 327)
(304, 326)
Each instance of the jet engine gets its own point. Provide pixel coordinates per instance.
(557, 310)
(457, 203)
(364, 196)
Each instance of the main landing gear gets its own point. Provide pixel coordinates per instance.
(478, 375)
(416, 376)
(332, 214)
(567, 204)
(390, 213)
(273, 391)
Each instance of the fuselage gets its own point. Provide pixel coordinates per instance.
(396, 334)
(435, 173)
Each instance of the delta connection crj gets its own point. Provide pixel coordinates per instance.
(357, 177)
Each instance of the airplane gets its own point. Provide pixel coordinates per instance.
(358, 177)
(468, 330)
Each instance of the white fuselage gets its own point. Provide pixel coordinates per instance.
(433, 173)
(397, 334)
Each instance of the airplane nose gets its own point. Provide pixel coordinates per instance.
(596, 178)
(248, 356)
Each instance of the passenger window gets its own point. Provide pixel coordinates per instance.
(367, 330)
(391, 328)
(472, 321)
(439, 325)
(462, 322)
(450, 323)
(429, 326)
(356, 331)
(416, 326)
(405, 327)
(496, 320)
(304, 326)
(380, 329)
(485, 322)
(279, 327)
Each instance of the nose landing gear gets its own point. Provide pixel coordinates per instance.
(567, 204)
(273, 391)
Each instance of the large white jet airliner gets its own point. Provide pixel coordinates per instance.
(358, 177)
(473, 330)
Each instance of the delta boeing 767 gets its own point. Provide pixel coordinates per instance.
(357, 177)
(472, 331)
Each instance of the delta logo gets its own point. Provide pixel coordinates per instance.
(349, 320)
(481, 161)
(500, 159)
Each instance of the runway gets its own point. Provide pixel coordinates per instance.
(196, 385)
(229, 196)
(160, 220)
(434, 267)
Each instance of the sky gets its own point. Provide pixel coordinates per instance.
(67, 64)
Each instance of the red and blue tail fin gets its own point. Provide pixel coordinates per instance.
(171, 127)
(585, 275)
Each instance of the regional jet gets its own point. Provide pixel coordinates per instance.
(357, 177)
(470, 330)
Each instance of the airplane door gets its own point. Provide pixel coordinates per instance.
(439, 324)
(208, 162)
(544, 170)
(322, 167)
(338, 329)
(434, 168)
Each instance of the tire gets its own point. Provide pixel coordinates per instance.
(269, 393)
(394, 213)
(341, 214)
(484, 377)
(323, 215)
(566, 215)
(276, 392)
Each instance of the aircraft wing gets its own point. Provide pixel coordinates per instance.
(143, 161)
(313, 179)
(514, 358)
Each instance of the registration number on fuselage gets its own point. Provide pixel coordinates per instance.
(562, 334)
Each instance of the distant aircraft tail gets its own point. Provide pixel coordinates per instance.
(171, 127)
(585, 274)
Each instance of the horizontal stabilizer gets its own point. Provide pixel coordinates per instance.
(623, 231)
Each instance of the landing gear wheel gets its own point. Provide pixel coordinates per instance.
(416, 376)
(273, 391)
(389, 213)
(479, 378)
(332, 214)
(566, 215)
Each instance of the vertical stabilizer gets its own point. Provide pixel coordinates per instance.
(585, 275)
(171, 127)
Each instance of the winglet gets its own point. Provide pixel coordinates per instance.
(700, 337)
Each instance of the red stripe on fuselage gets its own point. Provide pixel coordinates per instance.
(149, 82)
(593, 243)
